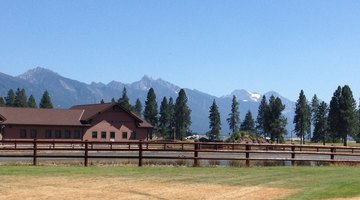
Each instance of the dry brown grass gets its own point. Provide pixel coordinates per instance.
(66, 187)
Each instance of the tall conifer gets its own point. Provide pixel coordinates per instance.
(31, 102)
(234, 116)
(302, 119)
(215, 123)
(10, 99)
(182, 115)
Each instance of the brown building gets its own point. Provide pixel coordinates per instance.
(93, 122)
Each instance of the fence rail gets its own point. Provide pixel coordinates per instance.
(195, 151)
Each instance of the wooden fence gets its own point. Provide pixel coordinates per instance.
(150, 150)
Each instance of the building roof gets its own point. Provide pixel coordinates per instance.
(91, 110)
(40, 116)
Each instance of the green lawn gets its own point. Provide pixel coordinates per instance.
(309, 182)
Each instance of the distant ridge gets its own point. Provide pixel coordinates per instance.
(66, 92)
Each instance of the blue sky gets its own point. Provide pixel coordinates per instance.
(212, 46)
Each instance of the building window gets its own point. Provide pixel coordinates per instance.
(48, 134)
(58, 134)
(103, 135)
(67, 134)
(94, 134)
(124, 135)
(22, 133)
(76, 134)
(112, 135)
(33, 133)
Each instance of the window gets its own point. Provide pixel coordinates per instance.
(48, 134)
(112, 135)
(33, 133)
(103, 135)
(94, 134)
(124, 135)
(67, 134)
(57, 133)
(22, 133)
(76, 134)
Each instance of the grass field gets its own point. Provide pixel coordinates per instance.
(62, 182)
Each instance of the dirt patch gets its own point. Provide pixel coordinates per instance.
(59, 187)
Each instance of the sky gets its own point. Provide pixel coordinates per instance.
(212, 46)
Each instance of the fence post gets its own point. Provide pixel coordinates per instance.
(140, 153)
(293, 155)
(35, 152)
(86, 156)
(332, 149)
(247, 154)
(196, 155)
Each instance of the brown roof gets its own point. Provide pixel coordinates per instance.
(37, 116)
(90, 110)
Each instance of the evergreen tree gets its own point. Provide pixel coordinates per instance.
(320, 123)
(46, 101)
(10, 99)
(248, 123)
(31, 102)
(171, 110)
(102, 101)
(215, 123)
(234, 116)
(151, 108)
(124, 100)
(302, 119)
(20, 98)
(138, 107)
(348, 120)
(334, 115)
(113, 100)
(182, 117)
(275, 122)
(164, 119)
(2, 102)
(260, 119)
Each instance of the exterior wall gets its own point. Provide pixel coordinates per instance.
(107, 128)
(11, 132)
(118, 121)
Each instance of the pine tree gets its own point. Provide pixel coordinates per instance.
(31, 102)
(113, 100)
(275, 122)
(2, 102)
(10, 99)
(102, 101)
(151, 108)
(320, 123)
(248, 123)
(46, 101)
(164, 119)
(124, 100)
(234, 116)
(334, 115)
(138, 107)
(182, 117)
(171, 110)
(215, 123)
(260, 119)
(302, 119)
(348, 120)
(20, 98)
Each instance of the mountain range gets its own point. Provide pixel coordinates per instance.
(66, 92)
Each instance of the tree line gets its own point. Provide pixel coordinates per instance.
(19, 99)
(332, 123)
